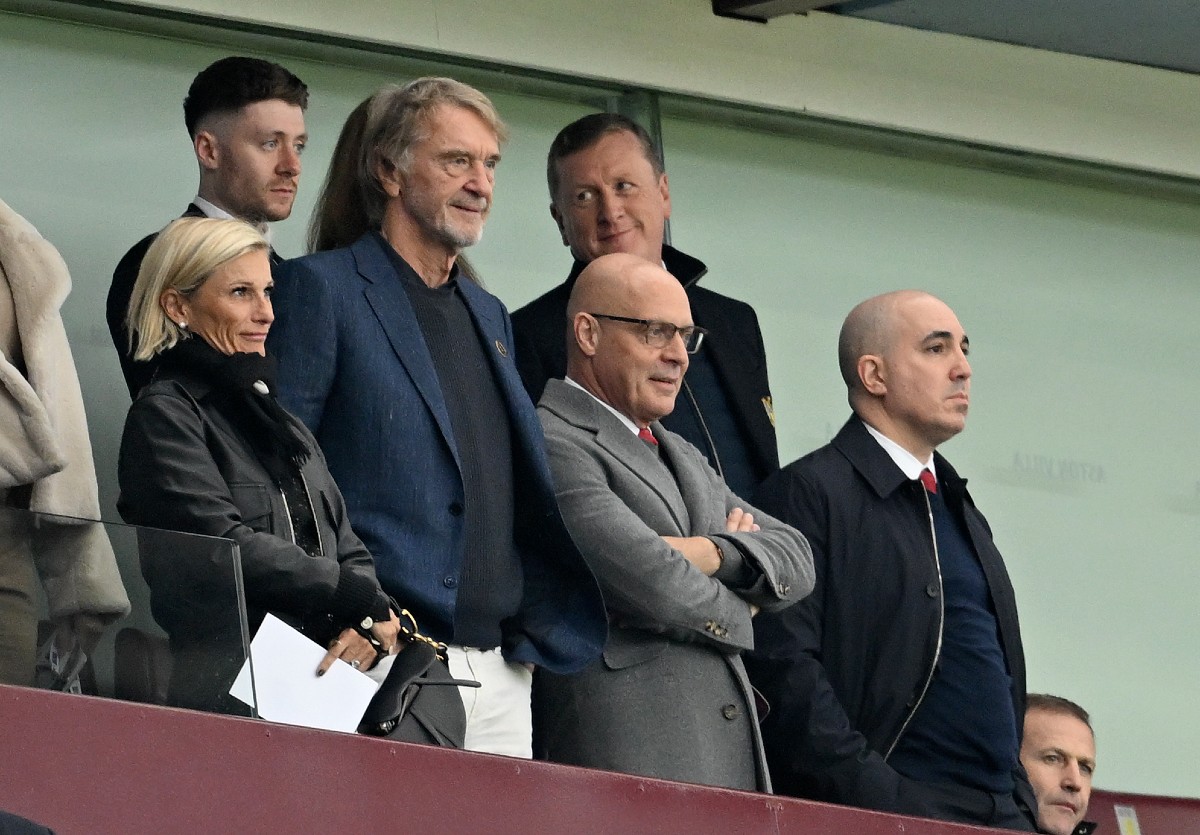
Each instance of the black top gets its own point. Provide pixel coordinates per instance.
(11, 824)
(704, 417)
(490, 586)
(734, 398)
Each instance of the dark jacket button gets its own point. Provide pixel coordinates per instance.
(456, 508)
(730, 711)
(932, 590)
(450, 582)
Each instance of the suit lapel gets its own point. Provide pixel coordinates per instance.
(581, 409)
(730, 359)
(494, 331)
(694, 488)
(385, 294)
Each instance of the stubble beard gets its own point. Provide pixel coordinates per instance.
(458, 236)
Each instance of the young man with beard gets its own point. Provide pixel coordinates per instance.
(246, 120)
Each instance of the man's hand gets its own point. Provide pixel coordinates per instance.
(700, 551)
(739, 521)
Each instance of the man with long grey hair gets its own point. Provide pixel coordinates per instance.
(405, 374)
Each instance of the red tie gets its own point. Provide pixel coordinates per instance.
(929, 481)
(646, 435)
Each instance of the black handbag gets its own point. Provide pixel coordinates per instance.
(419, 701)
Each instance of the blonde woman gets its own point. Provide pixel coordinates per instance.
(208, 450)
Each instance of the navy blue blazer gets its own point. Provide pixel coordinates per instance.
(354, 366)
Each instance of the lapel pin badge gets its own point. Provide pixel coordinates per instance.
(770, 407)
(500, 347)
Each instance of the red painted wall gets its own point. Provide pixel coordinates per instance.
(1155, 815)
(86, 766)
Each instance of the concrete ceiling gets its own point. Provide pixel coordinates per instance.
(1156, 33)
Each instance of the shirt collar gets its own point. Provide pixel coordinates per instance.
(629, 424)
(212, 210)
(905, 460)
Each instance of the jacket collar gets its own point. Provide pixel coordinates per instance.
(196, 387)
(194, 210)
(387, 297)
(877, 467)
(579, 408)
(684, 267)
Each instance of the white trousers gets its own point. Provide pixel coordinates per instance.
(498, 715)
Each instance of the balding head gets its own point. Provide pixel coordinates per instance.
(614, 278)
(616, 360)
(903, 358)
(868, 329)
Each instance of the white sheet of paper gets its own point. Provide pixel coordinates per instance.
(288, 688)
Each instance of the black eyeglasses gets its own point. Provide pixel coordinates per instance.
(659, 334)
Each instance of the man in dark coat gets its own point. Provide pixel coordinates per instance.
(899, 684)
(246, 120)
(609, 194)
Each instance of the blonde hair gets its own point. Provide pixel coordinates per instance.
(181, 258)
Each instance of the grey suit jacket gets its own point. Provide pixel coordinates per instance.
(669, 697)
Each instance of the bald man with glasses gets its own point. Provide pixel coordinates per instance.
(683, 563)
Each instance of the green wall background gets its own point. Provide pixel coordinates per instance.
(1081, 305)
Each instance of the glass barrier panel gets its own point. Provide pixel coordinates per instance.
(184, 640)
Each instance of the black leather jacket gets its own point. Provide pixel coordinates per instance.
(184, 467)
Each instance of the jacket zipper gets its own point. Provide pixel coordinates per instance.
(313, 509)
(288, 513)
(937, 653)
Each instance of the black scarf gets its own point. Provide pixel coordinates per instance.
(237, 382)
